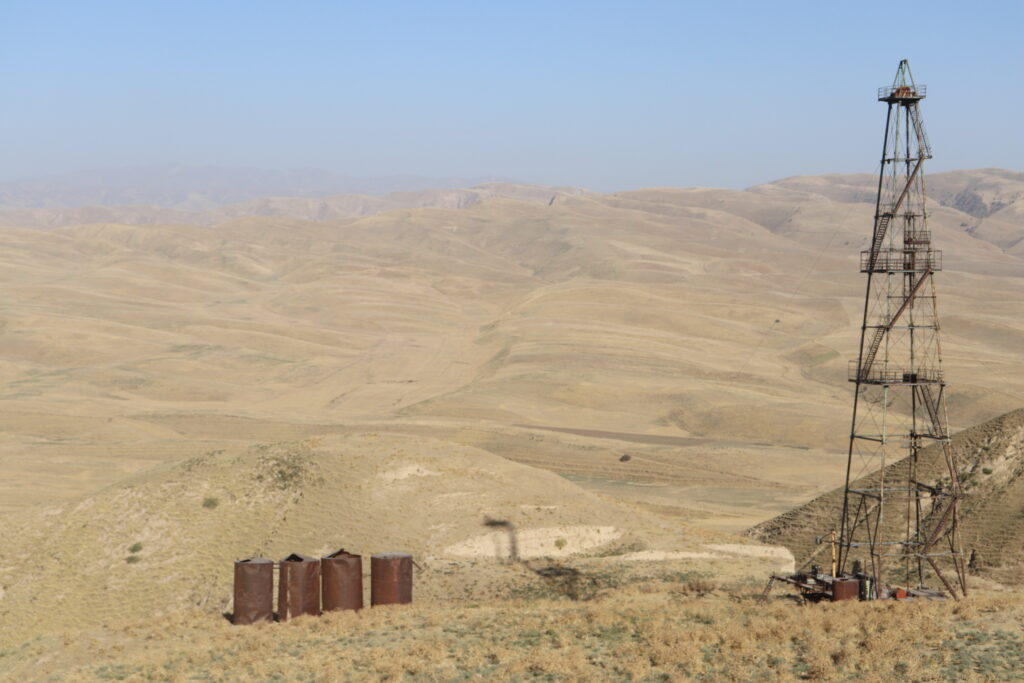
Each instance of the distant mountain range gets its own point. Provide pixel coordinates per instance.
(200, 188)
(988, 203)
(303, 208)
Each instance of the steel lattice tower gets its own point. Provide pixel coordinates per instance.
(905, 530)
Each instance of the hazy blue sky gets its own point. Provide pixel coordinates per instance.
(600, 94)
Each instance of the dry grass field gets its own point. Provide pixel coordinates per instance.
(387, 374)
(656, 626)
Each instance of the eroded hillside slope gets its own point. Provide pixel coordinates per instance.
(990, 457)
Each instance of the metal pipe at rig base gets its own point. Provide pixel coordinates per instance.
(391, 579)
(254, 591)
(298, 588)
(342, 576)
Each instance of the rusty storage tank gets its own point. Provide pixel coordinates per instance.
(845, 589)
(298, 587)
(391, 579)
(342, 577)
(254, 591)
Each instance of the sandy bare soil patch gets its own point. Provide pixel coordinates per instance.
(556, 542)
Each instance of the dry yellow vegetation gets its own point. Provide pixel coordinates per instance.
(657, 627)
(178, 396)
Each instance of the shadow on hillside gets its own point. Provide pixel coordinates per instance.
(568, 581)
(561, 579)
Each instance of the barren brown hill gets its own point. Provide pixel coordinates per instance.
(678, 355)
(989, 201)
(164, 541)
(702, 332)
(990, 457)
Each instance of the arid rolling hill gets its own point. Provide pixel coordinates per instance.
(164, 541)
(387, 377)
(703, 332)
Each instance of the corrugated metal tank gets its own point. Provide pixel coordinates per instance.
(342, 578)
(391, 579)
(254, 591)
(298, 588)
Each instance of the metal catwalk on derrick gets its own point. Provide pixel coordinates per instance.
(903, 530)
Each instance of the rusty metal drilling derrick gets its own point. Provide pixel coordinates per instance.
(903, 530)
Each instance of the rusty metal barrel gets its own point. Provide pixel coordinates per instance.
(391, 579)
(845, 589)
(298, 587)
(254, 591)
(342, 577)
